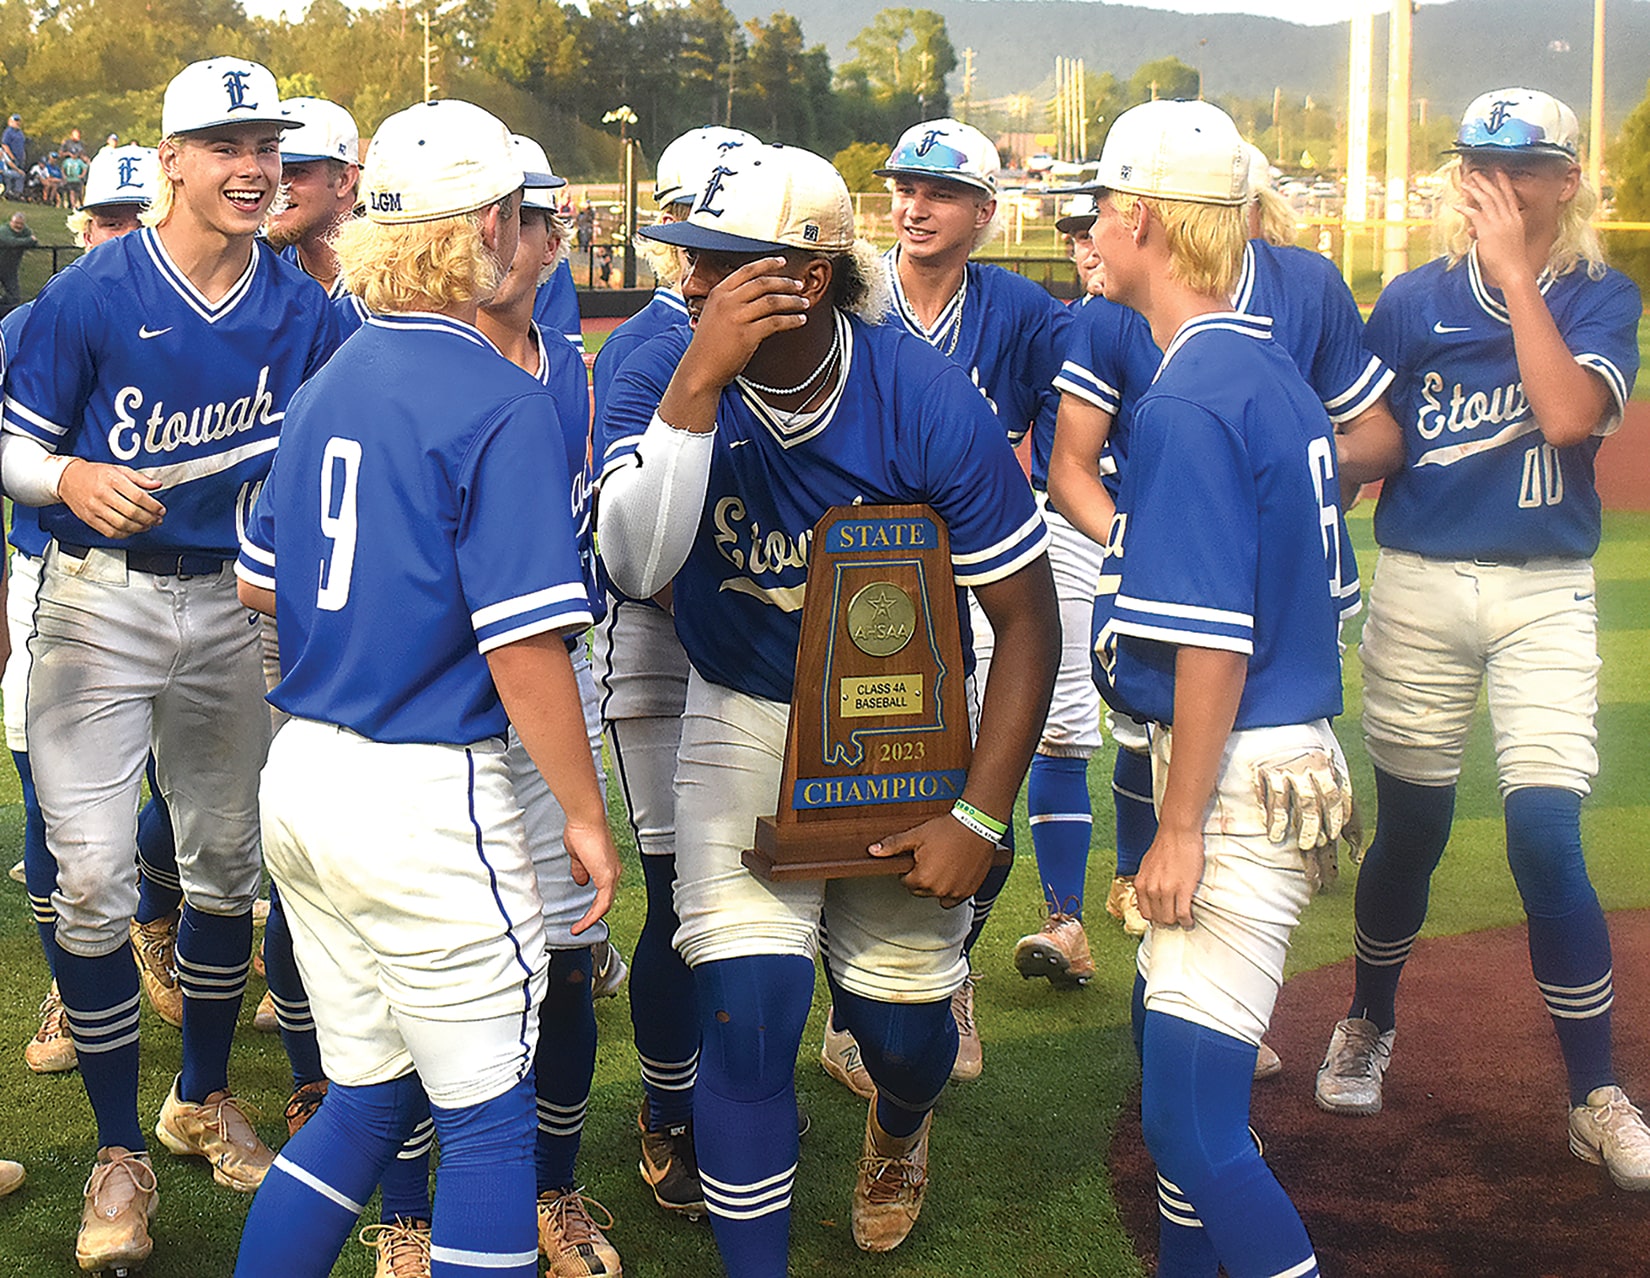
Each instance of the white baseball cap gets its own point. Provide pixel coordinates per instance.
(536, 174)
(122, 175)
(438, 159)
(1260, 169)
(322, 131)
(773, 197)
(219, 91)
(1176, 151)
(947, 149)
(1525, 121)
(1077, 215)
(684, 166)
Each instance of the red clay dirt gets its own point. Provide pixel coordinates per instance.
(1624, 479)
(1467, 1170)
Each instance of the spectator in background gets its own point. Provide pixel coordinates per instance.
(72, 145)
(51, 180)
(14, 177)
(584, 227)
(112, 140)
(74, 179)
(15, 239)
(15, 145)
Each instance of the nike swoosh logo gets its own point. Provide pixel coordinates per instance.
(1441, 328)
(146, 333)
(1583, 598)
(739, 443)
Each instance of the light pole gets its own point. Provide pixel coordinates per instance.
(625, 117)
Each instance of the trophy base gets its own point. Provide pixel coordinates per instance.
(833, 850)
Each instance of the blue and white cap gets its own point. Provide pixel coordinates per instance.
(536, 174)
(1164, 150)
(438, 159)
(684, 166)
(768, 198)
(1077, 214)
(122, 175)
(220, 91)
(1525, 121)
(324, 131)
(947, 149)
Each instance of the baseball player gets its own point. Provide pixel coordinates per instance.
(1075, 222)
(1219, 609)
(642, 676)
(119, 186)
(1007, 334)
(141, 415)
(783, 405)
(1515, 353)
(556, 307)
(402, 657)
(320, 187)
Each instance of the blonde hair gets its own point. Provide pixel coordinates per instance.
(1205, 240)
(77, 222)
(1277, 218)
(1576, 243)
(420, 266)
(160, 208)
(665, 260)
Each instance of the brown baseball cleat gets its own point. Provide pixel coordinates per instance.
(970, 1060)
(1122, 904)
(219, 1131)
(114, 1220)
(302, 1104)
(155, 949)
(402, 1248)
(572, 1241)
(51, 1050)
(893, 1180)
(1060, 952)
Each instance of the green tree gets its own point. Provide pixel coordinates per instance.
(905, 54)
(858, 162)
(1629, 160)
(1162, 78)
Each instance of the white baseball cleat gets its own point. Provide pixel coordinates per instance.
(1349, 1080)
(1609, 1130)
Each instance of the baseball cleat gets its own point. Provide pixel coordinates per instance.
(17, 875)
(265, 1019)
(114, 1220)
(892, 1182)
(51, 1050)
(260, 912)
(11, 1176)
(402, 1248)
(1609, 1130)
(1268, 1064)
(572, 1241)
(607, 970)
(1349, 1080)
(155, 950)
(1060, 952)
(839, 1054)
(302, 1104)
(219, 1131)
(671, 1168)
(258, 964)
(1122, 904)
(970, 1059)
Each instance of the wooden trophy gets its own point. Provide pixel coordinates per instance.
(878, 739)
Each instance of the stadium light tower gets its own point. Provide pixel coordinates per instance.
(1595, 130)
(1359, 75)
(1395, 261)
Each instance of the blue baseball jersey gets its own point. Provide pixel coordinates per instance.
(556, 307)
(123, 360)
(1008, 335)
(290, 254)
(903, 425)
(26, 534)
(664, 310)
(562, 372)
(405, 531)
(1478, 481)
(1314, 318)
(1227, 530)
(349, 313)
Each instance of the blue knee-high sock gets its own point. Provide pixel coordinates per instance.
(1057, 802)
(214, 956)
(286, 984)
(485, 1224)
(309, 1202)
(985, 896)
(1194, 1100)
(159, 891)
(100, 999)
(1137, 1016)
(744, 1107)
(908, 1049)
(39, 866)
(405, 1189)
(1569, 940)
(1131, 796)
(663, 1004)
(563, 1067)
(1394, 882)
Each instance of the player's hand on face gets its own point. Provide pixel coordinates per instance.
(740, 312)
(951, 861)
(112, 500)
(592, 859)
(1491, 209)
(1168, 875)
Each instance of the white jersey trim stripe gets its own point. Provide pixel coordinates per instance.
(1449, 454)
(1369, 387)
(180, 283)
(573, 619)
(1188, 638)
(19, 419)
(1189, 612)
(201, 467)
(312, 1181)
(252, 577)
(1609, 372)
(1008, 568)
(998, 548)
(487, 615)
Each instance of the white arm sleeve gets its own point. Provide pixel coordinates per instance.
(649, 506)
(29, 473)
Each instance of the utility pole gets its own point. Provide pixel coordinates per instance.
(1595, 130)
(1357, 115)
(968, 83)
(1399, 46)
(429, 88)
(925, 60)
(1277, 120)
(733, 58)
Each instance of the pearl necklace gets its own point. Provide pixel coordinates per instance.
(784, 392)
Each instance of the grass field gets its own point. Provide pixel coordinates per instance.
(1019, 1182)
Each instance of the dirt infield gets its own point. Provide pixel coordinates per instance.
(1624, 476)
(1467, 1171)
